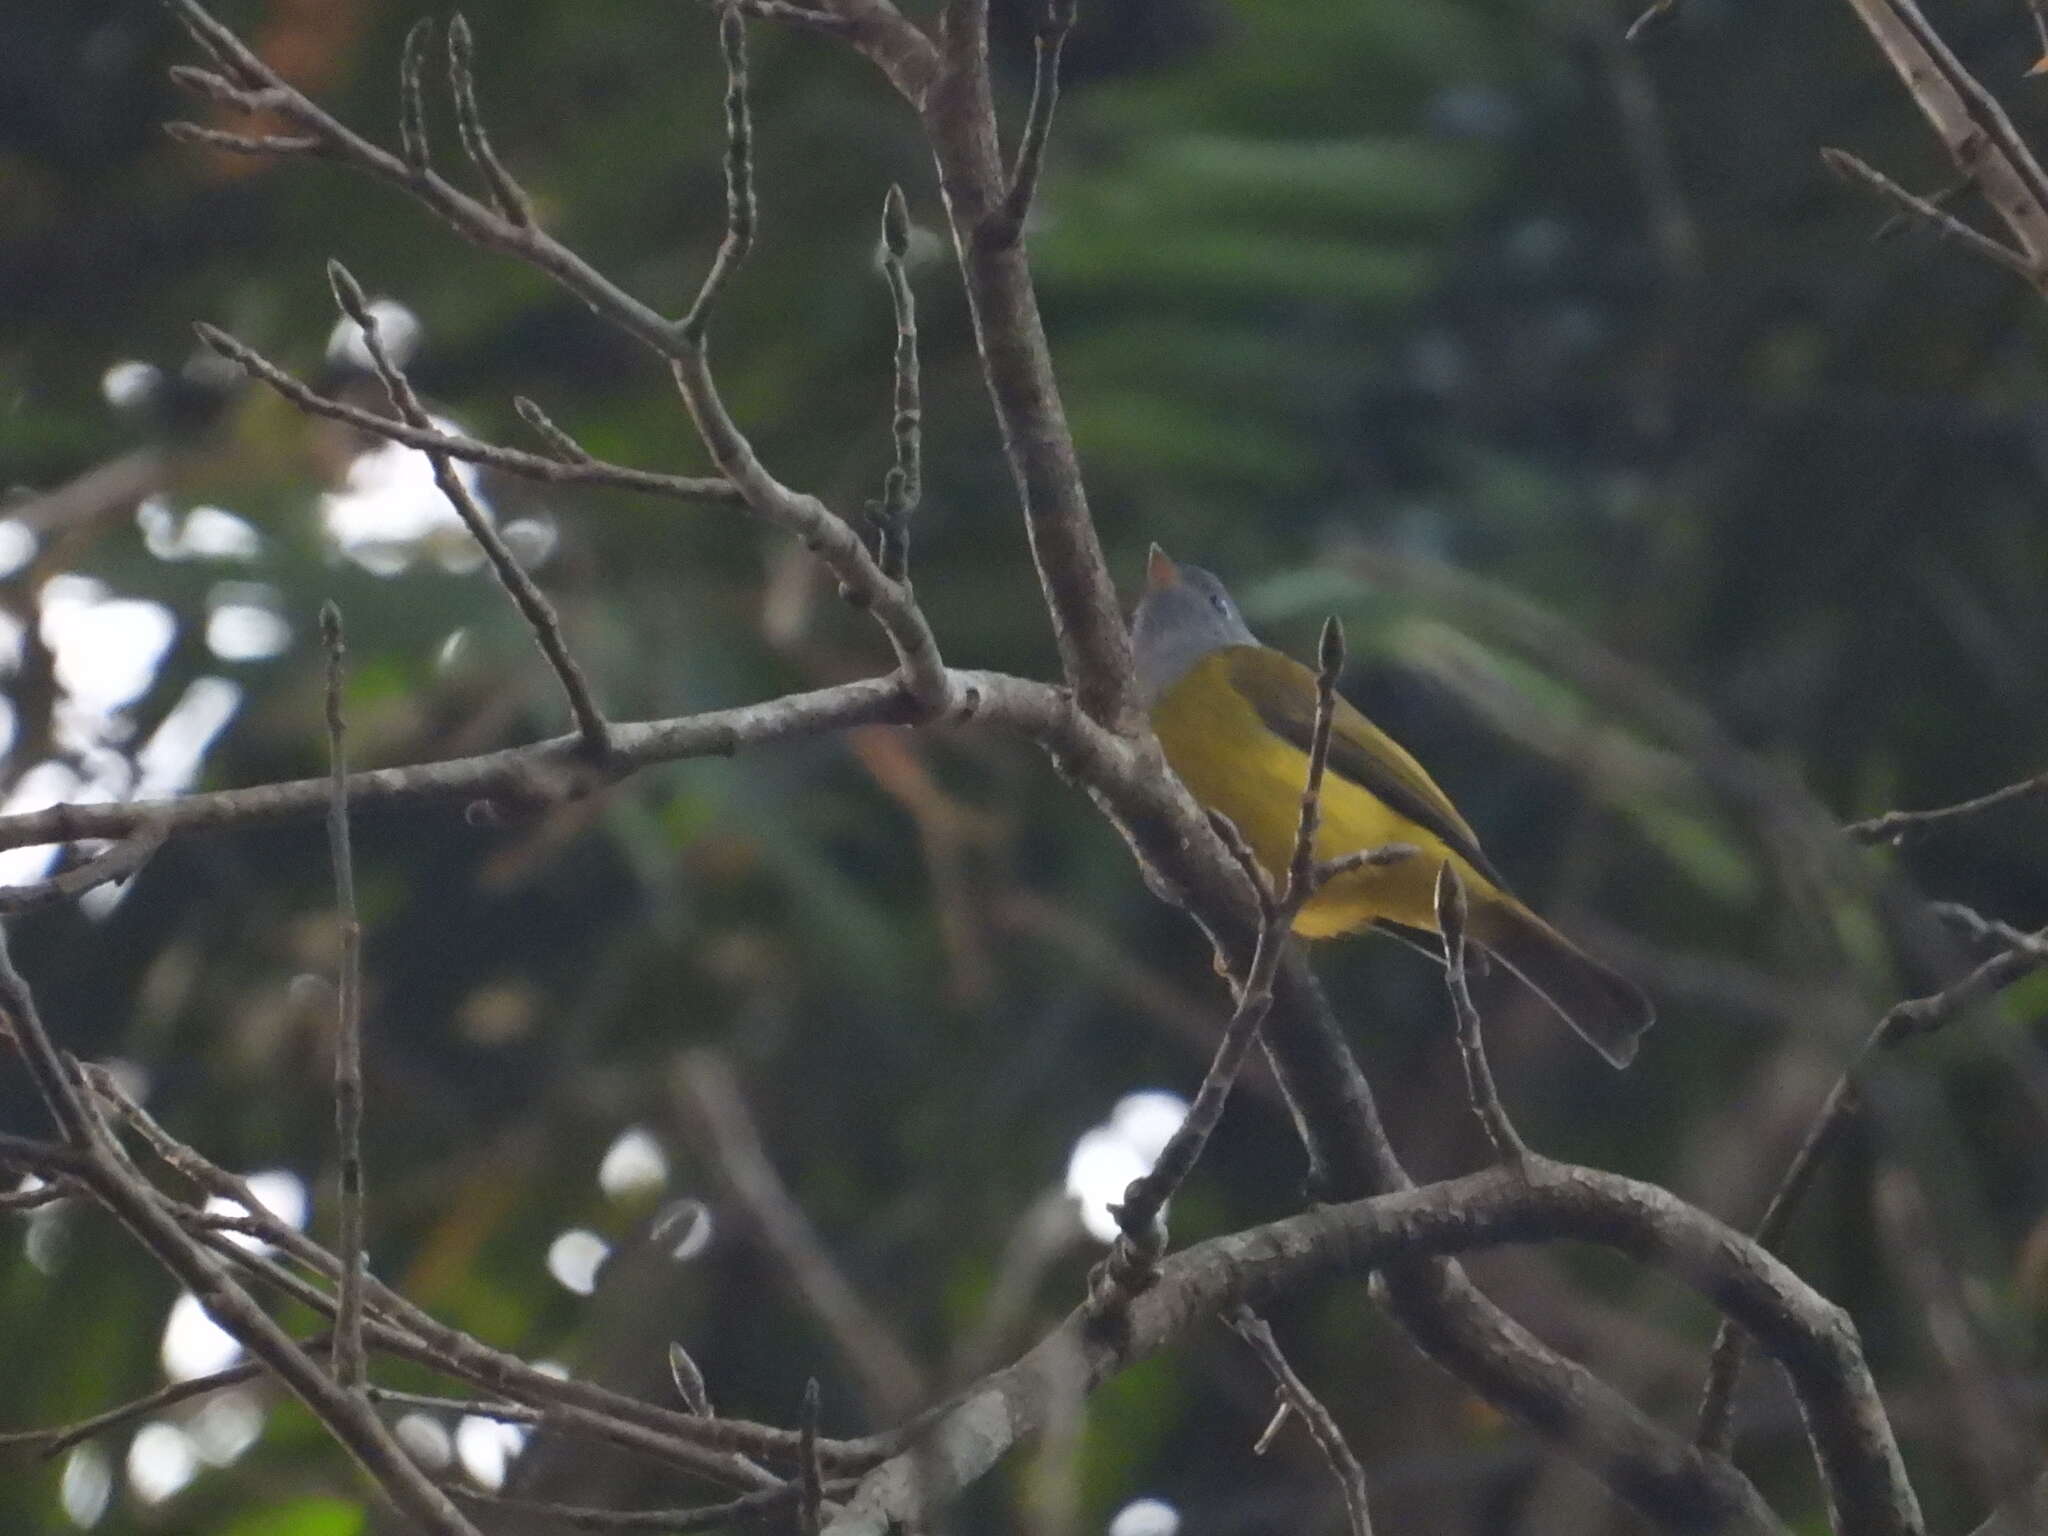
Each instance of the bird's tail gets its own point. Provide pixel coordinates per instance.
(1605, 1007)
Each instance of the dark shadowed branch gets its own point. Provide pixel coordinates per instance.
(1297, 1400)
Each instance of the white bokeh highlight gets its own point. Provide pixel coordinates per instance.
(193, 1343)
(426, 1440)
(161, 1460)
(1145, 1517)
(389, 513)
(634, 1165)
(574, 1259)
(279, 1191)
(225, 1426)
(398, 328)
(1107, 1157)
(486, 1447)
(85, 1487)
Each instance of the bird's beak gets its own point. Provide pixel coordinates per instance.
(1160, 571)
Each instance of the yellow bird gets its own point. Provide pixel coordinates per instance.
(1234, 718)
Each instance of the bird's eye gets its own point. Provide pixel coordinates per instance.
(1220, 603)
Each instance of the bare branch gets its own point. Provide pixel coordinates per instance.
(105, 1173)
(1999, 1452)
(412, 96)
(959, 117)
(350, 1365)
(506, 194)
(739, 178)
(1899, 827)
(525, 593)
(1903, 1021)
(1484, 1097)
(55, 1440)
(398, 1327)
(1048, 45)
(1928, 212)
(578, 469)
(1543, 1202)
(119, 862)
(1972, 126)
(561, 444)
(244, 143)
(549, 772)
(746, 1509)
(689, 1380)
(1296, 1397)
(903, 487)
(827, 23)
(891, 1379)
(810, 1475)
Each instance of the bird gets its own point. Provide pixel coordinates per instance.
(1234, 718)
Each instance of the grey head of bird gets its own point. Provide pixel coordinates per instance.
(1184, 615)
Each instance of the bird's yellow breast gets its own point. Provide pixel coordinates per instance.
(1233, 763)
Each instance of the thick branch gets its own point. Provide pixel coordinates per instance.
(959, 118)
(547, 772)
(1975, 130)
(1542, 1202)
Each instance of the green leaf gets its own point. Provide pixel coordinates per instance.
(303, 1517)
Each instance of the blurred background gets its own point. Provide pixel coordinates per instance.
(1674, 517)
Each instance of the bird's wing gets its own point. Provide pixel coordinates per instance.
(1283, 692)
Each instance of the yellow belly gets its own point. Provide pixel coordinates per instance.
(1233, 764)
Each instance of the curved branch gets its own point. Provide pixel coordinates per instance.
(1544, 1202)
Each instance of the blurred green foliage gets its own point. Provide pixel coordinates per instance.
(1451, 282)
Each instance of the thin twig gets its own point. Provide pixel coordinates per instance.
(104, 1170)
(526, 595)
(1986, 930)
(412, 96)
(351, 1367)
(738, 239)
(35, 1197)
(1655, 13)
(581, 469)
(747, 1509)
(1451, 912)
(507, 195)
(903, 486)
(55, 1440)
(564, 447)
(910, 60)
(573, 1418)
(1897, 827)
(280, 144)
(1975, 130)
(416, 1335)
(1848, 166)
(1296, 1396)
(1915, 1016)
(829, 23)
(1897, 223)
(119, 862)
(1050, 42)
(890, 1379)
(689, 1381)
(810, 1473)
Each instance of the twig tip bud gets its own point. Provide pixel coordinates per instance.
(348, 293)
(896, 222)
(1330, 651)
